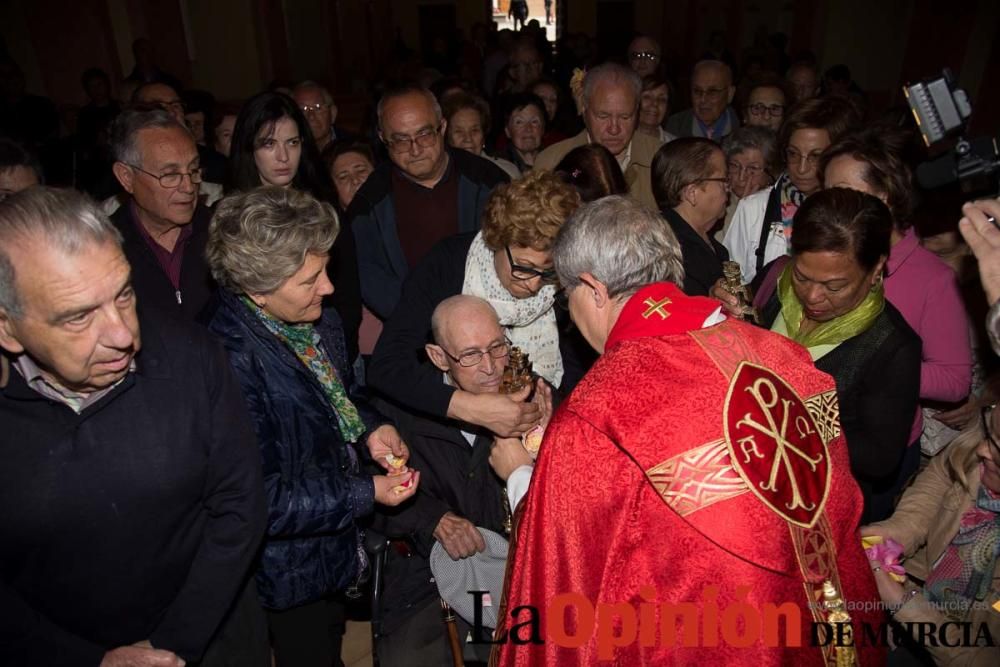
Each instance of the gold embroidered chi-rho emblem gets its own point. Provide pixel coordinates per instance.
(654, 307)
(775, 446)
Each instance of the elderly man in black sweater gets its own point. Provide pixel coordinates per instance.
(131, 485)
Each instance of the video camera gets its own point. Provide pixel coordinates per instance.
(942, 111)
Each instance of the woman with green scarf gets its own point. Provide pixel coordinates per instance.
(268, 249)
(830, 298)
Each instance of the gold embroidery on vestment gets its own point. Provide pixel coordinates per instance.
(656, 308)
(697, 478)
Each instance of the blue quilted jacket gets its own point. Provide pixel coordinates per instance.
(312, 478)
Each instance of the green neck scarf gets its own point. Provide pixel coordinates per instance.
(835, 331)
(304, 341)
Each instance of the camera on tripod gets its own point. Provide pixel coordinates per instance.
(942, 111)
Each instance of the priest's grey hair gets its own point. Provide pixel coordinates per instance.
(622, 243)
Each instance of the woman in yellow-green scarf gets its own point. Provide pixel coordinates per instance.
(829, 298)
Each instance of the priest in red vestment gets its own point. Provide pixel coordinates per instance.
(692, 503)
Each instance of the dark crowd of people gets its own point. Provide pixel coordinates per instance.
(260, 371)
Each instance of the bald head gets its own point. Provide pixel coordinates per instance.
(470, 344)
(459, 309)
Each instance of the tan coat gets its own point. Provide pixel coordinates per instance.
(637, 174)
(925, 522)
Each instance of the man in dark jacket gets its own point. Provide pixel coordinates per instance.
(131, 485)
(423, 195)
(458, 489)
(163, 226)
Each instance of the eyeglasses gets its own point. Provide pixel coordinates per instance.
(710, 93)
(313, 108)
(739, 171)
(519, 272)
(985, 416)
(174, 178)
(793, 156)
(718, 179)
(644, 55)
(773, 110)
(403, 144)
(473, 357)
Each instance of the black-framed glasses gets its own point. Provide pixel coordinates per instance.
(471, 358)
(174, 178)
(644, 55)
(423, 138)
(519, 272)
(984, 414)
(773, 110)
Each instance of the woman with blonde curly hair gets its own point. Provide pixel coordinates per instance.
(508, 263)
(948, 523)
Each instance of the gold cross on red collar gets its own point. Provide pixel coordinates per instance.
(656, 307)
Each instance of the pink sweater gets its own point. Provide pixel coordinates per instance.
(924, 290)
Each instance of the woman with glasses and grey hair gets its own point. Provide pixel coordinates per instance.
(268, 249)
(508, 264)
(761, 228)
(749, 154)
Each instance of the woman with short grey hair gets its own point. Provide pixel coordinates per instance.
(750, 157)
(268, 249)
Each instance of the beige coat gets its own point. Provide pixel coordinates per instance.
(926, 520)
(637, 174)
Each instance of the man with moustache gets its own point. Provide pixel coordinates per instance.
(710, 115)
(425, 193)
(163, 225)
(131, 483)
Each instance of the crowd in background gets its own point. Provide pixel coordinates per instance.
(368, 282)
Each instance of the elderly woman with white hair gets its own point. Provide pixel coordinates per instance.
(268, 249)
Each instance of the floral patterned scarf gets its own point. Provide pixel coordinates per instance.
(304, 341)
(791, 199)
(964, 573)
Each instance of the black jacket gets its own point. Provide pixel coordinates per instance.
(152, 286)
(878, 381)
(702, 261)
(455, 477)
(399, 368)
(382, 266)
(313, 482)
(136, 519)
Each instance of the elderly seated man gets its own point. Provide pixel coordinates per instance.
(611, 95)
(459, 491)
(131, 485)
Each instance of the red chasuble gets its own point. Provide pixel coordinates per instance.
(691, 500)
